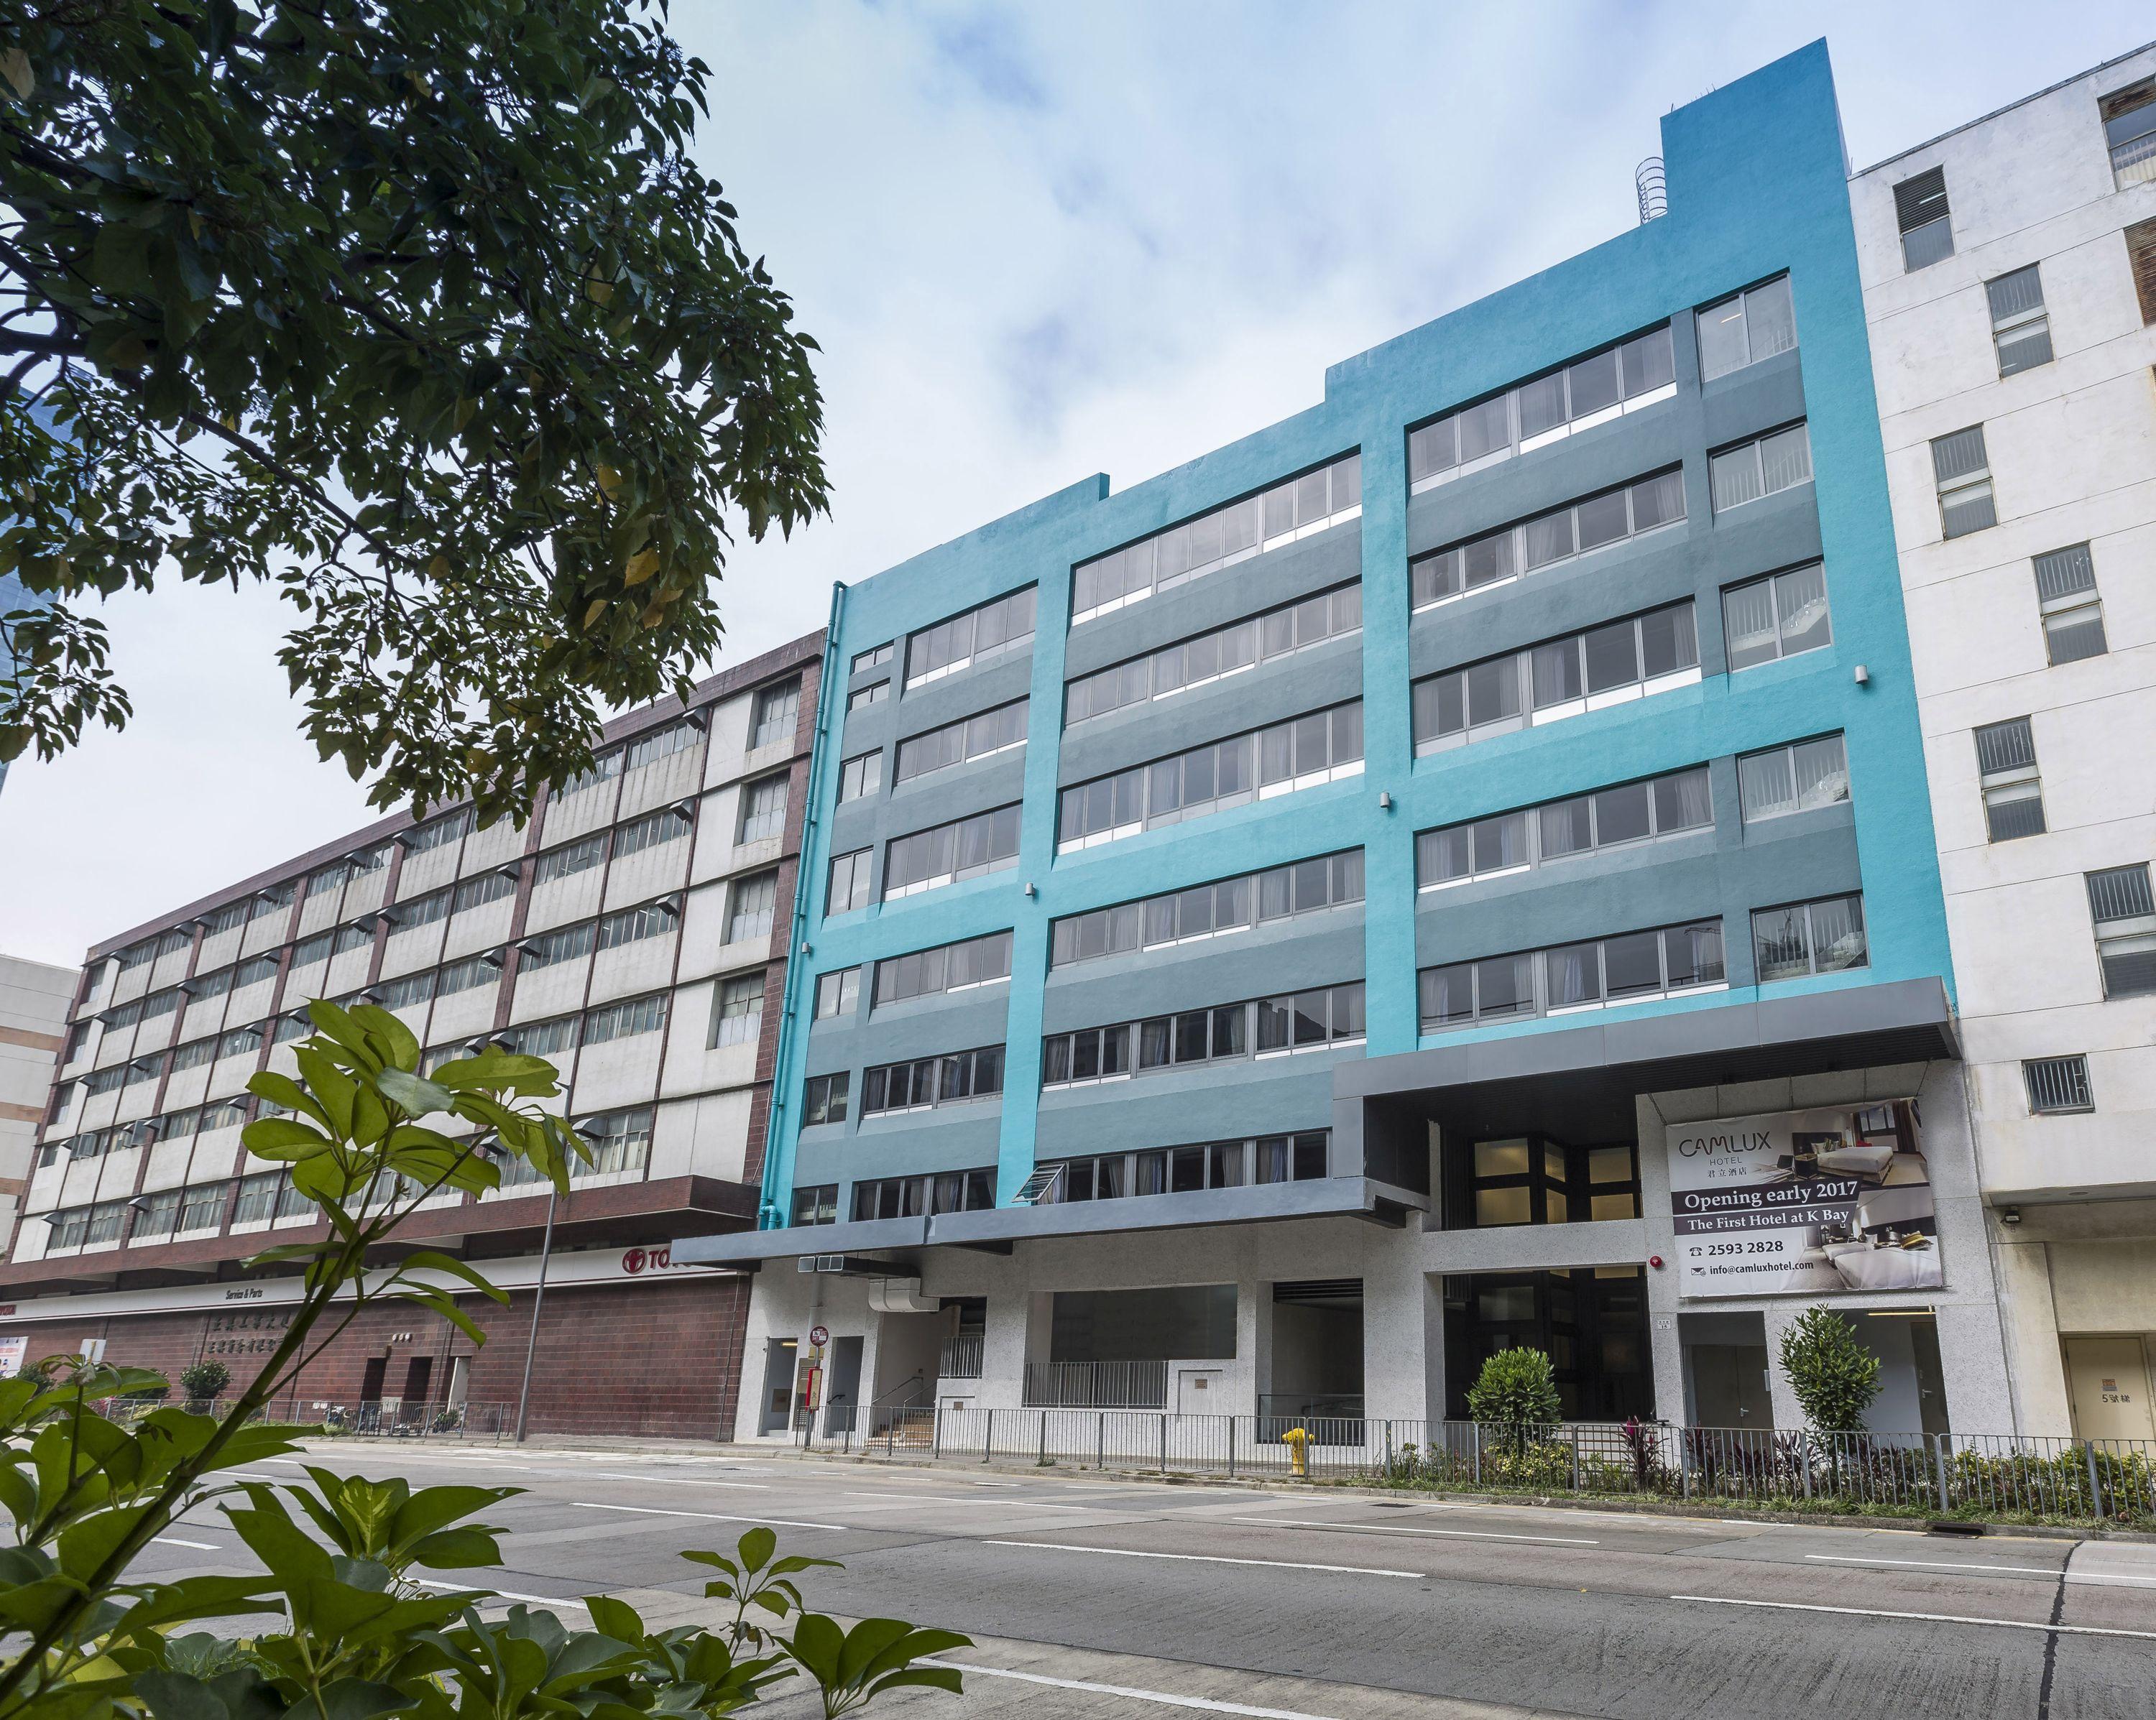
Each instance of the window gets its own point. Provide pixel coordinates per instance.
(604, 769)
(619, 1142)
(157, 1217)
(548, 948)
(1763, 466)
(272, 901)
(193, 1054)
(874, 658)
(976, 737)
(1319, 1018)
(362, 861)
(232, 914)
(1920, 211)
(1513, 842)
(851, 882)
(1624, 660)
(106, 1220)
(292, 1203)
(2067, 599)
(403, 993)
(136, 954)
(838, 994)
(1303, 1021)
(183, 937)
(543, 1039)
(2125, 916)
(296, 1026)
(487, 886)
(1324, 746)
(163, 1003)
(1091, 1054)
(625, 1020)
(100, 1081)
(631, 925)
(77, 1042)
(861, 776)
(749, 909)
(1496, 558)
(203, 1209)
(776, 712)
(1798, 778)
(948, 967)
(1742, 329)
(350, 937)
(2020, 328)
(1537, 1181)
(737, 1010)
(1822, 937)
(1776, 617)
(125, 1016)
(916, 1196)
(242, 1041)
(819, 1205)
(666, 824)
(569, 859)
(924, 1081)
(257, 1198)
(994, 630)
(1629, 968)
(970, 847)
(1211, 910)
(228, 1114)
(824, 1098)
(1329, 496)
(2129, 130)
(2006, 770)
(425, 838)
(763, 811)
(420, 911)
(310, 950)
(1589, 391)
(258, 972)
(1963, 474)
(658, 744)
(1213, 656)
(861, 698)
(328, 878)
(2141, 263)
(2058, 1084)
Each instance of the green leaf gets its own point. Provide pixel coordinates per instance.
(416, 1095)
(618, 1619)
(283, 1137)
(432, 1260)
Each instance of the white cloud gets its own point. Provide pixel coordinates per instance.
(1036, 243)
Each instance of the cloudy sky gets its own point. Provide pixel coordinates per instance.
(1037, 242)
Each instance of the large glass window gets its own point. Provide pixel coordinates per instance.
(1589, 391)
(1646, 504)
(763, 810)
(624, 1020)
(1324, 746)
(1822, 937)
(969, 847)
(948, 967)
(994, 630)
(1745, 328)
(852, 882)
(1628, 968)
(838, 993)
(1778, 616)
(1329, 496)
(1513, 842)
(737, 1010)
(1319, 1018)
(2129, 130)
(925, 1082)
(777, 711)
(976, 737)
(1212, 656)
(1765, 466)
(824, 1098)
(924, 1196)
(1211, 910)
(1793, 779)
(750, 906)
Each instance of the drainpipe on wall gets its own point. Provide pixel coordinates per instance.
(830, 691)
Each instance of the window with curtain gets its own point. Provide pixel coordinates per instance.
(1776, 617)
(1798, 778)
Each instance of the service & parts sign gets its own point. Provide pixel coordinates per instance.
(1803, 1203)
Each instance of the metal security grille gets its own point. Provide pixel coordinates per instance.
(1921, 200)
(2120, 893)
(2058, 1083)
(2061, 573)
(2006, 747)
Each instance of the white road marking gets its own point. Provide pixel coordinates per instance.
(1275, 1564)
(199, 1546)
(1388, 1529)
(493, 1595)
(701, 1480)
(288, 1462)
(783, 1523)
(1207, 1703)
(945, 1499)
(1868, 1612)
(2101, 1579)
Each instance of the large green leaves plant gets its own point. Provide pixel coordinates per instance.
(418, 310)
(351, 1632)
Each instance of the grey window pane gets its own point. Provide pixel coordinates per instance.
(1800, 596)
(1780, 944)
(1838, 933)
(1566, 828)
(1602, 519)
(1657, 501)
(1434, 448)
(1443, 855)
(2120, 892)
(1766, 785)
(1668, 641)
(1550, 538)
(1486, 427)
(1747, 624)
(1613, 657)
(1595, 383)
(1683, 802)
(1785, 459)
(1967, 509)
(1734, 476)
(2013, 812)
(1541, 405)
(1487, 560)
(1822, 772)
(1621, 815)
(2060, 573)
(2076, 634)
(1493, 690)
(1693, 954)
(1500, 842)
(1769, 321)
(1649, 362)
(1958, 455)
(2025, 347)
(1556, 671)
(1923, 246)
(1633, 963)
(2006, 747)
(2012, 295)
(1448, 993)
(1572, 974)
(1722, 343)
(1505, 986)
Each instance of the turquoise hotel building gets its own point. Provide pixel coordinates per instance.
(1449, 870)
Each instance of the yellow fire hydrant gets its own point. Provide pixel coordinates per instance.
(1296, 1439)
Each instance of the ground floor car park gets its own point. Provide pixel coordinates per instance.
(1653, 1231)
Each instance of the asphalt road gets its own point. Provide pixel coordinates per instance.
(1120, 1600)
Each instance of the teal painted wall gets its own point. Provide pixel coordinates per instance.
(1757, 185)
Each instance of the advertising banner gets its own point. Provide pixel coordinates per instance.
(1803, 1203)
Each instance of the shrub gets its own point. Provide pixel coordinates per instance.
(1834, 1377)
(204, 1382)
(1516, 1390)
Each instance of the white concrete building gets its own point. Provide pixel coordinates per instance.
(34, 999)
(2010, 285)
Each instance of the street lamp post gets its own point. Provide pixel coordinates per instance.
(538, 1301)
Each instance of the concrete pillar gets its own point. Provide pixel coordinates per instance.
(1789, 1413)
(1402, 1330)
(2042, 1407)
(1017, 1333)
(1254, 1345)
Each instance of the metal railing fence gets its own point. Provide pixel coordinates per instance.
(1101, 1385)
(961, 1357)
(1940, 1475)
(392, 1418)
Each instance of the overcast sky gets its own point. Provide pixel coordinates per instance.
(1036, 242)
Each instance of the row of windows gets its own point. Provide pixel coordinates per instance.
(1576, 528)
(1180, 1170)
(1513, 842)
(1208, 910)
(902, 1197)
(922, 1082)
(948, 967)
(1217, 538)
(995, 629)
(1618, 969)
(1211, 656)
(979, 736)
(926, 859)
(1324, 746)
(1313, 1019)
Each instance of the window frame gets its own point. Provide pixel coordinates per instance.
(1536, 1005)
(1812, 970)
(1773, 584)
(1743, 300)
(1532, 828)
